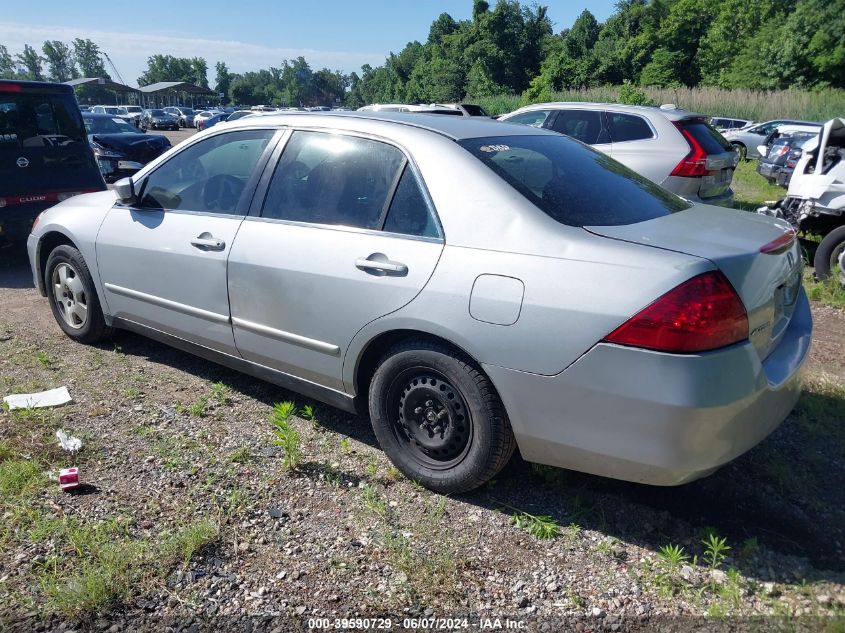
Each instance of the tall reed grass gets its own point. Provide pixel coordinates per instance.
(756, 105)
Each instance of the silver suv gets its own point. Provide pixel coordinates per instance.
(678, 150)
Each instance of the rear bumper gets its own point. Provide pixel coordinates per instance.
(655, 418)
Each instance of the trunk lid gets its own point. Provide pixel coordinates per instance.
(767, 283)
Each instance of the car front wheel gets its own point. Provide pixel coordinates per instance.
(438, 417)
(739, 148)
(72, 296)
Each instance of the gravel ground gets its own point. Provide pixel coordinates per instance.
(188, 519)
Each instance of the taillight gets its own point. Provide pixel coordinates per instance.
(702, 314)
(781, 243)
(693, 164)
(780, 151)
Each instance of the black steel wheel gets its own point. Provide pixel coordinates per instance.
(438, 417)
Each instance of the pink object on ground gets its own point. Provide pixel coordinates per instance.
(69, 479)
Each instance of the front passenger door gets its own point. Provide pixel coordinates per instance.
(163, 260)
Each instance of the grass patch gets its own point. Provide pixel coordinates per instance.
(829, 291)
(19, 478)
(751, 190)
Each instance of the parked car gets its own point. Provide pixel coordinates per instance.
(158, 119)
(203, 123)
(678, 150)
(134, 114)
(106, 109)
(474, 285)
(239, 114)
(722, 124)
(185, 116)
(121, 149)
(814, 202)
(746, 140)
(466, 109)
(201, 116)
(781, 144)
(44, 153)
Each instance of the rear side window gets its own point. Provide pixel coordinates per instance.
(39, 120)
(333, 179)
(535, 118)
(627, 127)
(585, 125)
(573, 184)
(409, 213)
(708, 137)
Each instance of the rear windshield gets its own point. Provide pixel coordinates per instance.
(708, 137)
(474, 110)
(573, 183)
(39, 120)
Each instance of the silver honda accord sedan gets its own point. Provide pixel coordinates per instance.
(475, 286)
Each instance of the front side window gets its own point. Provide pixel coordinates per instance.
(534, 118)
(627, 127)
(210, 176)
(584, 125)
(573, 184)
(333, 179)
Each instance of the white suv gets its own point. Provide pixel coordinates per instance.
(678, 150)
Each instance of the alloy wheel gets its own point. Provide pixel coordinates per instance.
(69, 296)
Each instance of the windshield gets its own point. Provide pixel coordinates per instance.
(133, 109)
(573, 183)
(187, 111)
(107, 125)
(38, 120)
(158, 113)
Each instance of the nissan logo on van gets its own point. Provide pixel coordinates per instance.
(22, 162)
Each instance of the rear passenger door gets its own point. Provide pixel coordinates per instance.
(636, 146)
(587, 126)
(345, 234)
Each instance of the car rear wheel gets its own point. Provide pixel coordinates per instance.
(830, 253)
(438, 417)
(72, 296)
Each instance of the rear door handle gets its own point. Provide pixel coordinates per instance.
(378, 263)
(207, 242)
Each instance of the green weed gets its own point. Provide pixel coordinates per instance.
(286, 436)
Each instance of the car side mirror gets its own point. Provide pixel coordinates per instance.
(762, 150)
(125, 190)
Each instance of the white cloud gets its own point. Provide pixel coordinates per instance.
(129, 50)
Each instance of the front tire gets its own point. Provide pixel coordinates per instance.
(438, 417)
(829, 254)
(739, 148)
(72, 296)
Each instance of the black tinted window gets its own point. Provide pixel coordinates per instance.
(408, 212)
(333, 179)
(585, 125)
(627, 127)
(210, 176)
(574, 184)
(708, 137)
(39, 120)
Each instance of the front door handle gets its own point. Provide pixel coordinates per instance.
(379, 264)
(207, 242)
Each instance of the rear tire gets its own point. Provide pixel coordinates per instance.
(828, 254)
(72, 296)
(438, 417)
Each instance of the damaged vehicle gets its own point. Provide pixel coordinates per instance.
(120, 148)
(815, 200)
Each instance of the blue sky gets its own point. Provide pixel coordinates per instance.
(247, 34)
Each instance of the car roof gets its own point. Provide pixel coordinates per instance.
(454, 127)
(671, 113)
(34, 86)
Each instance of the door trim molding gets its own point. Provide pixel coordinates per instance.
(161, 302)
(309, 389)
(286, 337)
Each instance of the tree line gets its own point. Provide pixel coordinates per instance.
(513, 49)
